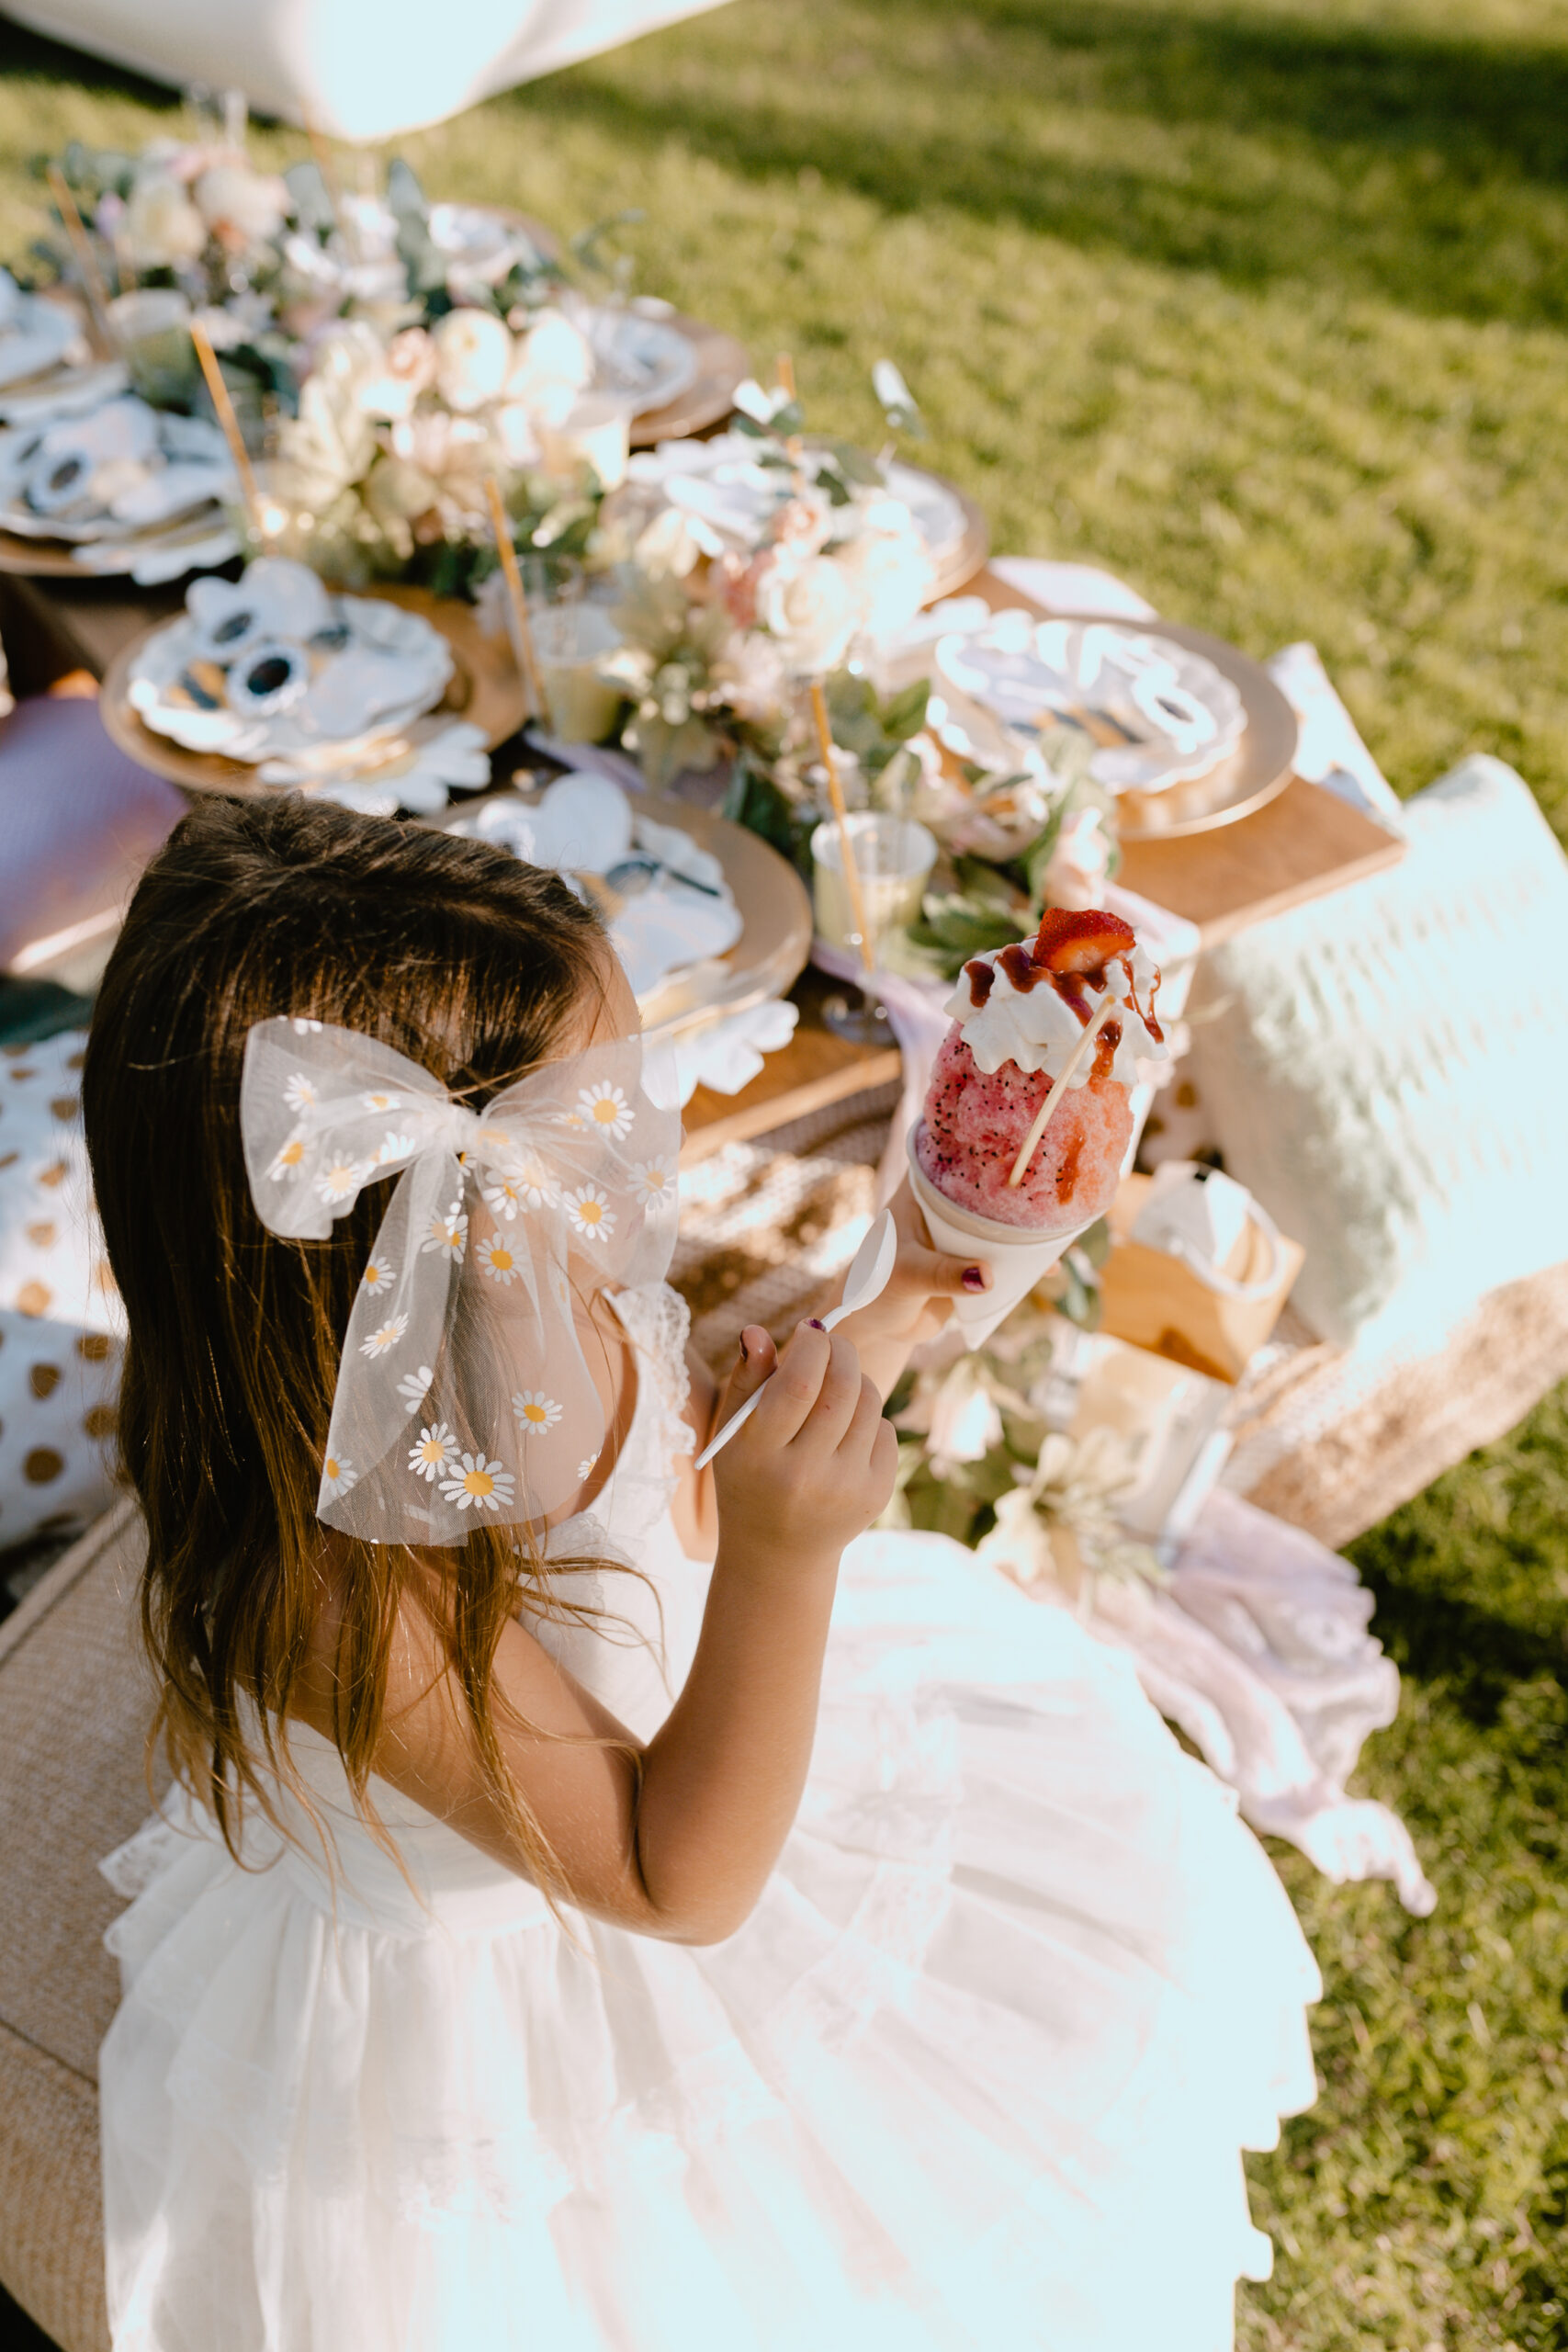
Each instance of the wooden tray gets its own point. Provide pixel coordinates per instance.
(484, 688)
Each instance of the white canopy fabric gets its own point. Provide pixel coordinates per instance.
(358, 69)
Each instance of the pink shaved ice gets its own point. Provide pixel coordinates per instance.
(975, 1124)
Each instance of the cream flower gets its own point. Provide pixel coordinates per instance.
(379, 1274)
(536, 1413)
(333, 439)
(341, 1181)
(414, 1387)
(433, 1451)
(380, 1103)
(809, 608)
(162, 227)
(498, 1261)
(287, 1164)
(473, 358)
(385, 1338)
(449, 1233)
(607, 1107)
(241, 206)
(590, 1213)
(479, 1484)
(586, 1469)
(886, 566)
(299, 1093)
(395, 1147)
(551, 365)
(337, 1476)
(410, 369)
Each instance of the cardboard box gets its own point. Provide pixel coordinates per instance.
(1152, 1301)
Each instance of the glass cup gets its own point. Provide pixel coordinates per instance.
(152, 328)
(570, 640)
(893, 860)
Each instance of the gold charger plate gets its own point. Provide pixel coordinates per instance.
(972, 548)
(46, 560)
(722, 363)
(770, 897)
(484, 688)
(1247, 780)
(775, 908)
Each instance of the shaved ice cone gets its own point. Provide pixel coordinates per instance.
(1018, 1015)
(1016, 1256)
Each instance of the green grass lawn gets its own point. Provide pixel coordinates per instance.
(1266, 307)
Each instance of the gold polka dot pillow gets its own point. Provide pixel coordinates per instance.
(60, 1318)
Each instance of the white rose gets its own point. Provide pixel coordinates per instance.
(750, 673)
(473, 358)
(811, 611)
(243, 207)
(887, 567)
(163, 226)
(333, 438)
(553, 365)
(396, 489)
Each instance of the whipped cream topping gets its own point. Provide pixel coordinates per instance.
(1037, 1027)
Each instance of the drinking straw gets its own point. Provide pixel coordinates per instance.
(842, 818)
(86, 259)
(523, 634)
(1108, 1005)
(224, 408)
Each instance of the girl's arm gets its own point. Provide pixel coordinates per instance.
(676, 1838)
(915, 1304)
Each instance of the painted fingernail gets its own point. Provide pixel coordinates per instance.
(813, 1324)
(974, 1278)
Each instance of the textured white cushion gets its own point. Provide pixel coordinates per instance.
(1390, 1075)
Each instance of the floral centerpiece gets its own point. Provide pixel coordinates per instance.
(981, 1458)
(391, 352)
(808, 566)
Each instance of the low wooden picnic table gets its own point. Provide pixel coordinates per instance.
(1304, 845)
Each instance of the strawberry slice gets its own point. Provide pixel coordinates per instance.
(1084, 940)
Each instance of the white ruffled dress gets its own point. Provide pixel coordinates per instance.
(976, 2077)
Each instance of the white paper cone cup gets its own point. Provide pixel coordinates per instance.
(1016, 1257)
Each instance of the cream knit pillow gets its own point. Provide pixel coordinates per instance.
(1390, 1075)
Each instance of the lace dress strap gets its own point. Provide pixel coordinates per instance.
(658, 1322)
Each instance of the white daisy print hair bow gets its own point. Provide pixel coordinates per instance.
(462, 1393)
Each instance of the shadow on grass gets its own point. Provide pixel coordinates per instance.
(1367, 162)
(24, 52)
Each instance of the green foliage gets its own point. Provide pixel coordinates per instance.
(1263, 304)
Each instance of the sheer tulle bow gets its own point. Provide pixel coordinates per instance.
(462, 1388)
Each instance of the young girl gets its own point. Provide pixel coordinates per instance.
(553, 1940)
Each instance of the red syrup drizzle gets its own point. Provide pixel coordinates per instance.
(981, 978)
(1068, 1173)
(1025, 974)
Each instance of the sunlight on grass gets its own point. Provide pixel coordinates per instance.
(1265, 307)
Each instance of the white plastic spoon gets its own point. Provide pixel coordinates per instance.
(870, 1270)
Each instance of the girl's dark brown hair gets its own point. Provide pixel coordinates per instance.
(475, 967)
